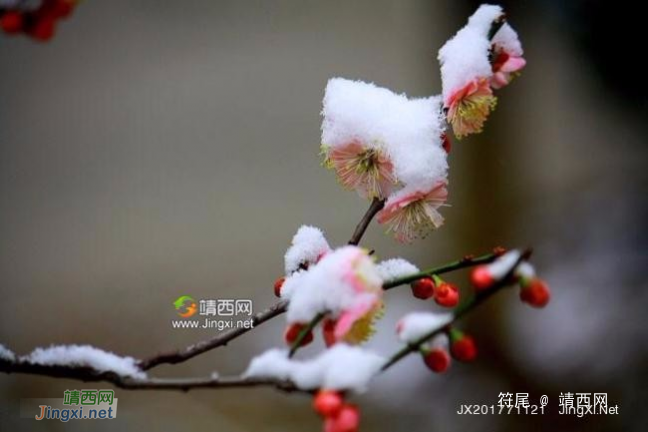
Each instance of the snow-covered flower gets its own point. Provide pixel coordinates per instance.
(506, 56)
(466, 73)
(364, 169)
(469, 107)
(308, 246)
(413, 214)
(347, 286)
(376, 140)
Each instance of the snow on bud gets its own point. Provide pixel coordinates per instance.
(481, 278)
(307, 247)
(484, 276)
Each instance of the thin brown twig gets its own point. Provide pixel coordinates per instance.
(179, 356)
(376, 205)
(87, 374)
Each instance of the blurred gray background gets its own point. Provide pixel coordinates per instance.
(154, 149)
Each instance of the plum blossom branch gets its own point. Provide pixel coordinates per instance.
(377, 204)
(88, 374)
(459, 313)
(179, 356)
(465, 262)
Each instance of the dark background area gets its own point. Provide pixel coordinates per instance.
(155, 149)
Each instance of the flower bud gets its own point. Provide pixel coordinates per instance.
(292, 333)
(423, 288)
(328, 403)
(462, 346)
(445, 294)
(347, 420)
(535, 292)
(278, 285)
(437, 359)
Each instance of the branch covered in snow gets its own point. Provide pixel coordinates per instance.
(393, 151)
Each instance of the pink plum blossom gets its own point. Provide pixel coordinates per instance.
(366, 170)
(469, 106)
(414, 214)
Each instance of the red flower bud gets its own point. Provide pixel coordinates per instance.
(293, 331)
(347, 420)
(328, 332)
(278, 285)
(462, 346)
(11, 22)
(43, 29)
(328, 403)
(62, 8)
(423, 288)
(481, 278)
(446, 143)
(536, 293)
(446, 294)
(438, 360)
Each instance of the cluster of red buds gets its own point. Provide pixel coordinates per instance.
(444, 293)
(36, 19)
(533, 291)
(338, 415)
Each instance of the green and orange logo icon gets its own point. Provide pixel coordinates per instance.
(185, 306)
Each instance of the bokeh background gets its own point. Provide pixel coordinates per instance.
(154, 149)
